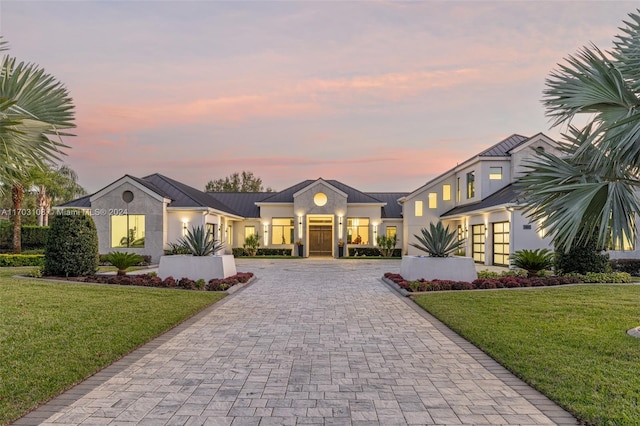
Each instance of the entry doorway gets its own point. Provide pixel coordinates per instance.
(320, 236)
(320, 240)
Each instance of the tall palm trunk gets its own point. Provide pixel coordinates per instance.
(41, 200)
(17, 194)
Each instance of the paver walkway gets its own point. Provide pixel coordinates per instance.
(312, 342)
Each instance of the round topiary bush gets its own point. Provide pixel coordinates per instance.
(72, 246)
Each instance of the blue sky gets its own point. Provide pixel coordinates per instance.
(379, 95)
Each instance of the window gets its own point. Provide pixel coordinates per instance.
(624, 245)
(282, 230)
(358, 230)
(418, 208)
(433, 200)
(211, 229)
(461, 250)
(478, 236)
(249, 231)
(471, 185)
(127, 231)
(501, 243)
(495, 173)
(392, 231)
(446, 192)
(458, 189)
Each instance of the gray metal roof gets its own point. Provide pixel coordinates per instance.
(182, 195)
(392, 210)
(502, 148)
(81, 203)
(242, 202)
(506, 195)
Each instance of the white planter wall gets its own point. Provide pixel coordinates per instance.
(442, 268)
(196, 267)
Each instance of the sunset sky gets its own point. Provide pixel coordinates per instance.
(380, 95)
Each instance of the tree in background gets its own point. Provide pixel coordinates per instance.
(589, 192)
(237, 182)
(55, 185)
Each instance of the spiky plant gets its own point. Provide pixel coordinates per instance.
(437, 241)
(387, 244)
(533, 261)
(200, 242)
(251, 244)
(123, 260)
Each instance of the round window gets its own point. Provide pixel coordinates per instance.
(127, 196)
(320, 199)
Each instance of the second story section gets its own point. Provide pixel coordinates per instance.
(474, 179)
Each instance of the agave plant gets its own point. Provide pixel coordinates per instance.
(123, 260)
(533, 261)
(438, 241)
(200, 242)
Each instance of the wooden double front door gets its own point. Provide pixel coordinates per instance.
(320, 240)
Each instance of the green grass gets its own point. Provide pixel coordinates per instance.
(53, 335)
(570, 343)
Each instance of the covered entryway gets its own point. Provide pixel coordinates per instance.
(320, 236)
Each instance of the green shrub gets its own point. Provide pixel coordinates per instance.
(604, 277)
(631, 266)
(35, 272)
(123, 260)
(146, 260)
(251, 244)
(583, 257)
(533, 261)
(487, 274)
(371, 252)
(34, 237)
(11, 260)
(387, 245)
(6, 234)
(239, 252)
(72, 246)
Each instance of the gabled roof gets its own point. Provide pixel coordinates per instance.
(182, 195)
(502, 148)
(506, 195)
(353, 195)
(392, 210)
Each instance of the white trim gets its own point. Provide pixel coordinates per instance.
(320, 181)
(128, 179)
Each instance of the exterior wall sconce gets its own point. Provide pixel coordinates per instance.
(265, 234)
(299, 227)
(375, 235)
(340, 228)
(185, 227)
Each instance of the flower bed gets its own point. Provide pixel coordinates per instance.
(481, 283)
(150, 280)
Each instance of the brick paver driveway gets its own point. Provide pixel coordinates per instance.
(311, 342)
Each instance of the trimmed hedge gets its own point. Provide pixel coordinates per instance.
(34, 237)
(11, 260)
(371, 252)
(72, 246)
(152, 280)
(240, 252)
(630, 266)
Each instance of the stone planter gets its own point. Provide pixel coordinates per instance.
(300, 250)
(340, 251)
(196, 267)
(453, 268)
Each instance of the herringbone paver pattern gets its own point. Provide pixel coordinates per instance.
(310, 342)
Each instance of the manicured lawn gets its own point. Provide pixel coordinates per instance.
(53, 335)
(570, 342)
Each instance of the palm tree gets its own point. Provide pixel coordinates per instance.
(35, 112)
(590, 189)
(54, 185)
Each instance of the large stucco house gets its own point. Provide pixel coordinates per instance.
(477, 198)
